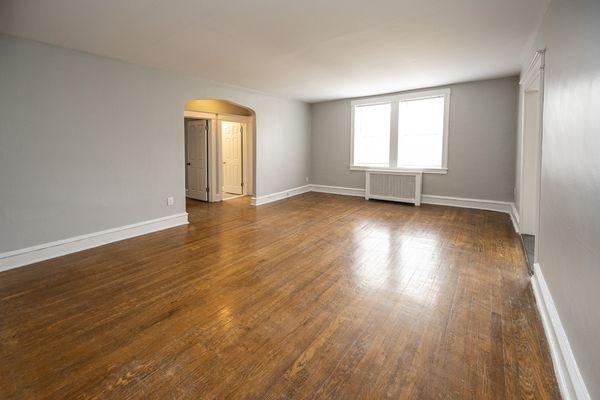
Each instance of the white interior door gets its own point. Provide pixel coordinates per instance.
(231, 133)
(196, 166)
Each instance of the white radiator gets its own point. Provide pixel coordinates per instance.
(394, 186)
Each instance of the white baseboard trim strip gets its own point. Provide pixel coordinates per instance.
(46, 251)
(338, 190)
(570, 381)
(269, 198)
(480, 204)
(516, 219)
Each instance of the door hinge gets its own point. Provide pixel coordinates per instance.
(207, 190)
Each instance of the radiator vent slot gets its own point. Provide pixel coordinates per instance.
(394, 186)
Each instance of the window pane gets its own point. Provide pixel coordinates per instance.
(421, 132)
(372, 135)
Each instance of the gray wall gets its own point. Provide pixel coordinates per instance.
(481, 147)
(89, 143)
(569, 250)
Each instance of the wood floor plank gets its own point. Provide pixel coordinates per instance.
(314, 297)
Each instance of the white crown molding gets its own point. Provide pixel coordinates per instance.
(570, 381)
(46, 251)
(533, 69)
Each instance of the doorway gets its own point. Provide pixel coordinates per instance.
(232, 156)
(531, 156)
(196, 158)
(219, 154)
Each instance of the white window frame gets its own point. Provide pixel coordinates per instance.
(395, 100)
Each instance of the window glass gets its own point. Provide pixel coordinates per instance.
(421, 132)
(372, 135)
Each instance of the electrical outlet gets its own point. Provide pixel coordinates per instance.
(306, 179)
(170, 201)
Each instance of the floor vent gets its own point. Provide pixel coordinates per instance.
(394, 186)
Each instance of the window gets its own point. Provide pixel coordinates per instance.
(372, 139)
(408, 131)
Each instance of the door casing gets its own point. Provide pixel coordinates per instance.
(532, 84)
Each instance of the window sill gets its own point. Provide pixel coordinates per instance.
(439, 171)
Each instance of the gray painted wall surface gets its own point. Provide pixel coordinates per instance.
(481, 147)
(569, 249)
(89, 143)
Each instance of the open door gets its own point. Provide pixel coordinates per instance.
(196, 160)
(232, 156)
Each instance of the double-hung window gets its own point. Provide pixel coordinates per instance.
(406, 131)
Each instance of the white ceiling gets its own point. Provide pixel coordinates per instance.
(311, 50)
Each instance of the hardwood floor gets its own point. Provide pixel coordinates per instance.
(317, 296)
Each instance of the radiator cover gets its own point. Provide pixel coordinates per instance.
(394, 186)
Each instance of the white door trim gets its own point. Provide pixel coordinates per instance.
(533, 75)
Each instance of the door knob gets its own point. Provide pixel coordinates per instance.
(188, 163)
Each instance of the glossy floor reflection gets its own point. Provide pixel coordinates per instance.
(317, 296)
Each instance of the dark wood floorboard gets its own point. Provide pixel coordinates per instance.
(317, 296)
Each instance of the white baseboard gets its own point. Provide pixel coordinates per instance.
(338, 190)
(480, 204)
(46, 251)
(269, 198)
(463, 202)
(515, 218)
(570, 381)
(492, 205)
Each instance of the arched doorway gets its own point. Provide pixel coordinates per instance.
(219, 150)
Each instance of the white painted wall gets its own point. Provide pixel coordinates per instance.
(569, 238)
(481, 146)
(89, 143)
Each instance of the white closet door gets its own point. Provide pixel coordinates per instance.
(232, 156)
(196, 159)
